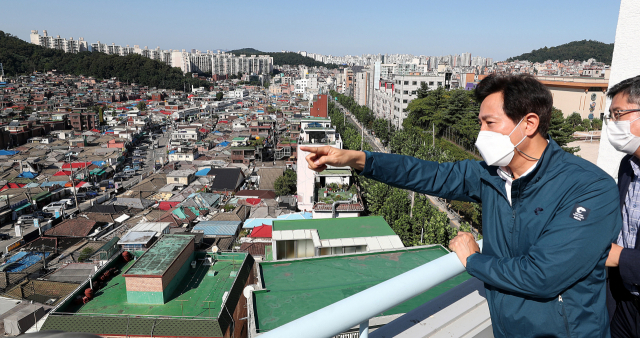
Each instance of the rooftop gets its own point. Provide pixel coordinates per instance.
(114, 315)
(333, 228)
(159, 257)
(298, 287)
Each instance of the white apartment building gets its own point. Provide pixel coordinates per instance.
(405, 90)
(68, 46)
(236, 94)
(221, 63)
(382, 100)
(314, 132)
(190, 134)
(307, 84)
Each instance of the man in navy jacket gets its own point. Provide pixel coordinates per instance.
(549, 217)
(623, 128)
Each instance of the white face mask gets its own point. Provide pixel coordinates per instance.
(621, 138)
(496, 149)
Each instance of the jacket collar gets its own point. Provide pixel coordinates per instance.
(546, 161)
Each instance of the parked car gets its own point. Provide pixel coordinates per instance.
(43, 214)
(4, 237)
(29, 219)
(53, 206)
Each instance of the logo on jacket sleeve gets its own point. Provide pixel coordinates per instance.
(580, 213)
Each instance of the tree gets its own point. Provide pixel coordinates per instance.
(219, 96)
(423, 91)
(287, 183)
(266, 84)
(596, 124)
(561, 131)
(142, 106)
(101, 115)
(85, 254)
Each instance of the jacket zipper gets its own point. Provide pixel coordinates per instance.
(564, 316)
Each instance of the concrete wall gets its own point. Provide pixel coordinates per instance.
(571, 100)
(624, 65)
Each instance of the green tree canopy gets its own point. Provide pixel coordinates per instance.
(287, 183)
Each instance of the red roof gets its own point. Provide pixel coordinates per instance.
(12, 186)
(63, 173)
(76, 165)
(263, 231)
(164, 205)
(95, 130)
(253, 201)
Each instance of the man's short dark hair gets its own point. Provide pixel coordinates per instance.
(522, 94)
(630, 86)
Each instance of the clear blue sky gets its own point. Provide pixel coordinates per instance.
(490, 28)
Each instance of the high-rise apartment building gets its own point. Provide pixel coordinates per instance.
(68, 46)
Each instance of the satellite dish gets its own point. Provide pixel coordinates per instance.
(214, 249)
(248, 290)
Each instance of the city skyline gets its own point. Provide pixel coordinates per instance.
(354, 29)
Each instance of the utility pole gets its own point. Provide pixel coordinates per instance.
(361, 137)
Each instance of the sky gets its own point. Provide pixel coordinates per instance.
(488, 28)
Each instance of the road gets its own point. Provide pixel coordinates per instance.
(454, 218)
(372, 141)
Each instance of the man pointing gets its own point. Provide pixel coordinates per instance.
(549, 217)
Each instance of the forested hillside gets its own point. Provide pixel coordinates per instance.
(20, 57)
(287, 58)
(576, 50)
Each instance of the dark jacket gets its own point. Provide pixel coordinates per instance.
(628, 269)
(543, 260)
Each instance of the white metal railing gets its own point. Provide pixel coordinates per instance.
(359, 308)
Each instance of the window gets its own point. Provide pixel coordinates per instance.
(175, 179)
(430, 83)
(439, 83)
(405, 92)
(404, 101)
(413, 92)
(406, 82)
(415, 83)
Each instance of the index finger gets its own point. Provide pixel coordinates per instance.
(315, 150)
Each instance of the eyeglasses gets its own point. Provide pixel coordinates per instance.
(616, 115)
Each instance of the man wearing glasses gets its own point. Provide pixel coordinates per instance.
(623, 129)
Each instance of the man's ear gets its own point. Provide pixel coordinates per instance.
(533, 121)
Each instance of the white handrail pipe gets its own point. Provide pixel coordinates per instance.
(359, 308)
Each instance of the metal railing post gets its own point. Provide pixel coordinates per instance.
(364, 329)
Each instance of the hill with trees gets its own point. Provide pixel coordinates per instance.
(19, 57)
(575, 50)
(287, 58)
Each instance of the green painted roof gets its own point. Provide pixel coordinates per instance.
(242, 148)
(299, 287)
(159, 257)
(110, 313)
(331, 228)
(238, 139)
(328, 172)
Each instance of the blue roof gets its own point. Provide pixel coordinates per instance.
(172, 152)
(224, 144)
(52, 183)
(23, 260)
(8, 152)
(203, 172)
(217, 228)
(27, 174)
(99, 163)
